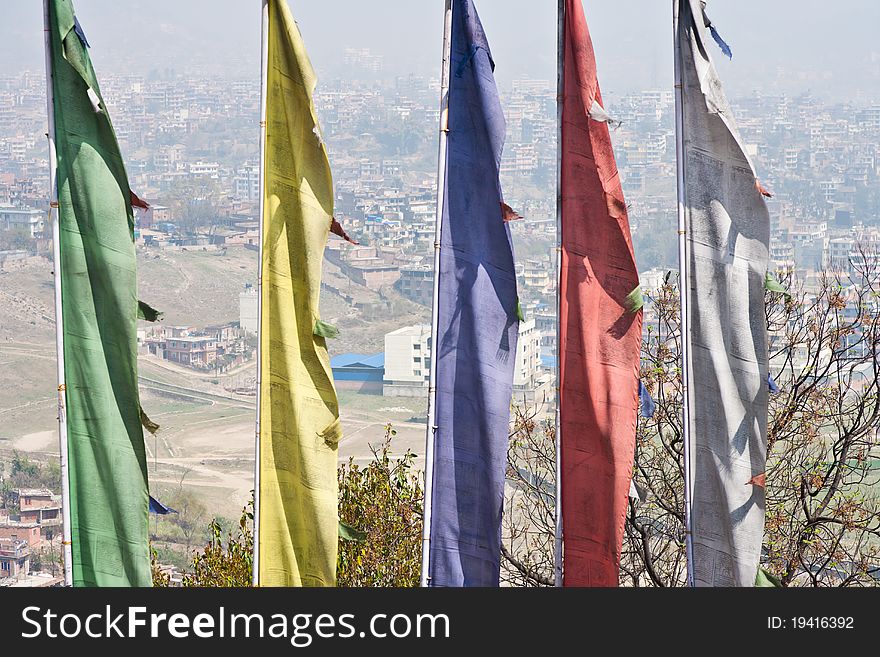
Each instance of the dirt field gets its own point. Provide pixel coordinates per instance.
(206, 441)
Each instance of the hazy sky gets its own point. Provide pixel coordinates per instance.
(793, 45)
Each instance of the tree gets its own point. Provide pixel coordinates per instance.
(190, 514)
(192, 201)
(380, 508)
(823, 511)
(823, 515)
(231, 566)
(383, 500)
(25, 472)
(821, 480)
(529, 519)
(653, 552)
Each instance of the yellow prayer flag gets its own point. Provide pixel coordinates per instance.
(299, 412)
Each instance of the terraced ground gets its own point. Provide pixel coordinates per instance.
(206, 443)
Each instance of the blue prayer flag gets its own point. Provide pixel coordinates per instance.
(77, 29)
(647, 405)
(158, 508)
(721, 43)
(475, 347)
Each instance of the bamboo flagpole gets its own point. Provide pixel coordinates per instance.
(54, 219)
(264, 68)
(683, 283)
(432, 383)
(560, 103)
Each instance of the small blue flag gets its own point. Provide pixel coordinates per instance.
(79, 32)
(774, 389)
(721, 43)
(158, 508)
(647, 405)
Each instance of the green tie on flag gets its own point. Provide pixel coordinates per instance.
(297, 512)
(107, 463)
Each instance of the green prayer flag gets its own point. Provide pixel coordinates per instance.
(107, 462)
(349, 533)
(325, 330)
(634, 301)
(771, 284)
(765, 578)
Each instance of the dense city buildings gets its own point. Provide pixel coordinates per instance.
(191, 150)
(190, 147)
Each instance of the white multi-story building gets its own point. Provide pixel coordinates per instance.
(209, 169)
(528, 356)
(247, 182)
(247, 309)
(652, 280)
(408, 360)
(29, 219)
(838, 253)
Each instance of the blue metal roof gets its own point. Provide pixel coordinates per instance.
(355, 360)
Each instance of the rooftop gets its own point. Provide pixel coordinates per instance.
(33, 492)
(358, 360)
(418, 329)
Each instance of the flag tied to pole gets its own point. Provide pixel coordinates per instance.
(728, 233)
(109, 501)
(475, 349)
(600, 326)
(299, 412)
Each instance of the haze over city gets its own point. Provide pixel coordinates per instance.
(181, 82)
(784, 45)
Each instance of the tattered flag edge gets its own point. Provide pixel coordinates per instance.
(77, 28)
(159, 509)
(147, 423)
(325, 330)
(636, 493)
(647, 405)
(137, 201)
(78, 66)
(349, 533)
(508, 214)
(773, 285)
(337, 229)
(317, 132)
(634, 300)
(147, 313)
(766, 579)
(94, 99)
(721, 42)
(598, 113)
(761, 189)
(759, 480)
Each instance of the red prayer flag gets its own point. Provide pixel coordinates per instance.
(138, 202)
(600, 338)
(761, 189)
(337, 229)
(508, 213)
(759, 480)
